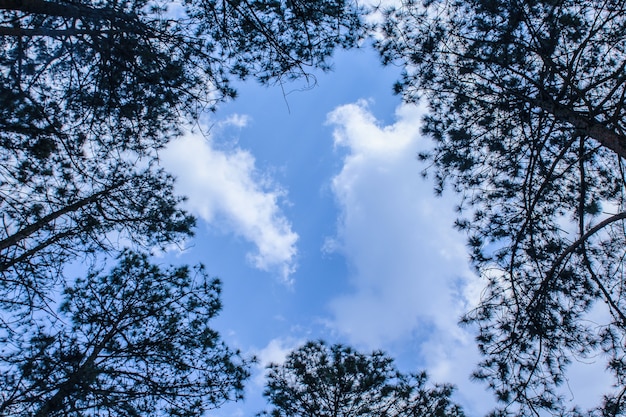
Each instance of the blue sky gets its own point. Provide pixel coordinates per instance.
(313, 212)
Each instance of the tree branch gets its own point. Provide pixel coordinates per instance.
(68, 10)
(129, 22)
(32, 228)
(571, 248)
(587, 124)
(42, 31)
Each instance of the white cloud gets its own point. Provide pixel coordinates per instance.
(224, 188)
(276, 351)
(395, 233)
(410, 274)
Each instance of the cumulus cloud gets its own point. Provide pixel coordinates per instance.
(224, 188)
(410, 277)
(407, 260)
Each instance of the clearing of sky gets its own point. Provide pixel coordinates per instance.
(313, 210)
(322, 191)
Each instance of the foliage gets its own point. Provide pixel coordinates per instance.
(527, 111)
(336, 381)
(58, 222)
(132, 342)
(90, 92)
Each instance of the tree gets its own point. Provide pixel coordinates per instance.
(90, 91)
(132, 342)
(336, 381)
(527, 111)
(46, 227)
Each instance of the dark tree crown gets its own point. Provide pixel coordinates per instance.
(337, 381)
(528, 115)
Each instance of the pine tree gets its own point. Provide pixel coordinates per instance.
(527, 113)
(337, 381)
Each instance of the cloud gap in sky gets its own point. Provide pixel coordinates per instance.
(225, 189)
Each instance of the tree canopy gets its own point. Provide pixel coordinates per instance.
(527, 112)
(318, 380)
(135, 341)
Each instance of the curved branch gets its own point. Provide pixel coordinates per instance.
(571, 248)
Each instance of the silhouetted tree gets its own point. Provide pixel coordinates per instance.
(527, 110)
(135, 341)
(318, 380)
